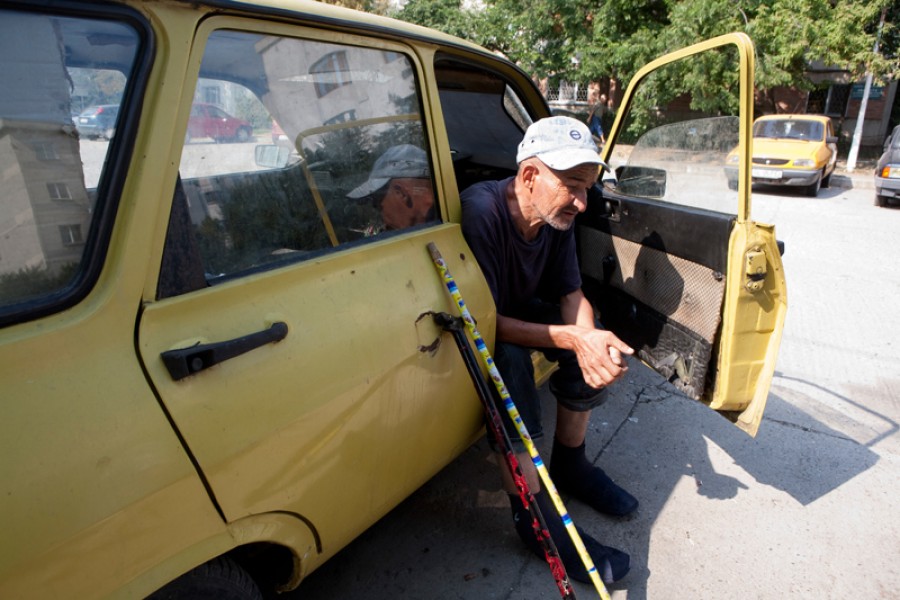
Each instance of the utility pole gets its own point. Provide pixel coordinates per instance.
(863, 105)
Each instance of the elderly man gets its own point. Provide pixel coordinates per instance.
(520, 230)
(399, 185)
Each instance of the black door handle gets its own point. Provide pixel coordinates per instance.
(187, 361)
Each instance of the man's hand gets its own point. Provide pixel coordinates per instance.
(600, 356)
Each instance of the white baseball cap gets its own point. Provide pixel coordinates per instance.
(560, 142)
(404, 160)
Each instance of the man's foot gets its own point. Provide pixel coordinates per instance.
(611, 564)
(572, 473)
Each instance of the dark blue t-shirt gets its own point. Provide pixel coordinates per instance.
(516, 270)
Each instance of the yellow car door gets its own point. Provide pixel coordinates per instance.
(671, 256)
(284, 334)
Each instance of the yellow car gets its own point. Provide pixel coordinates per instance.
(217, 365)
(791, 151)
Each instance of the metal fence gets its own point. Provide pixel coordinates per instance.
(568, 92)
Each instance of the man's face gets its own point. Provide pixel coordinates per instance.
(558, 196)
(407, 202)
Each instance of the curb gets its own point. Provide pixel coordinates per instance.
(855, 181)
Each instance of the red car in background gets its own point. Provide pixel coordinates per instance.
(210, 121)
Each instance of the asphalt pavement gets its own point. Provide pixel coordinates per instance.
(810, 508)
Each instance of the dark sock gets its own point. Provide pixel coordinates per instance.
(573, 473)
(611, 564)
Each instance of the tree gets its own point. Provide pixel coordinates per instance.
(444, 15)
(614, 38)
(378, 7)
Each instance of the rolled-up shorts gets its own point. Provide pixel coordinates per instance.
(567, 383)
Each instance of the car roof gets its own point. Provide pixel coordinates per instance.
(335, 15)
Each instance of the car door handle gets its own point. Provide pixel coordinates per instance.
(187, 361)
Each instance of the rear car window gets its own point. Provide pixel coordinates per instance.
(64, 78)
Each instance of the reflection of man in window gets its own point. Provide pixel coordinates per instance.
(400, 187)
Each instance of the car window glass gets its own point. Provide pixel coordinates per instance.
(56, 126)
(485, 119)
(673, 146)
(302, 147)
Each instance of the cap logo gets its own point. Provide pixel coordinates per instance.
(575, 135)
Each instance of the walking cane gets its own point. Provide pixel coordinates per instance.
(513, 412)
(456, 327)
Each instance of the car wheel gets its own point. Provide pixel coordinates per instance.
(812, 189)
(221, 578)
(826, 181)
(243, 134)
(880, 200)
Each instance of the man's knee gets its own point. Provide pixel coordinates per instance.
(573, 393)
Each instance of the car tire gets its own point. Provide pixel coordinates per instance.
(826, 181)
(812, 190)
(221, 578)
(880, 201)
(243, 134)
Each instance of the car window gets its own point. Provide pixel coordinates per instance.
(56, 126)
(672, 146)
(470, 94)
(350, 163)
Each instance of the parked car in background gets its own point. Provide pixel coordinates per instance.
(210, 121)
(791, 151)
(887, 171)
(97, 121)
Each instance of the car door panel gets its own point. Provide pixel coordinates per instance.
(660, 288)
(345, 402)
(670, 256)
(347, 393)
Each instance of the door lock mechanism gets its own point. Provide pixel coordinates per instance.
(755, 269)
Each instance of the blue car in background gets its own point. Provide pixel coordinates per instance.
(97, 121)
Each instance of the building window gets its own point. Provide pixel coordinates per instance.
(212, 95)
(70, 234)
(831, 101)
(45, 151)
(59, 191)
(344, 117)
(331, 72)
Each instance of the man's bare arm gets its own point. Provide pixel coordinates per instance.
(599, 352)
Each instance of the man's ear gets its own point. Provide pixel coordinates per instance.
(528, 172)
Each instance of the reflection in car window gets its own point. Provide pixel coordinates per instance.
(315, 172)
(56, 124)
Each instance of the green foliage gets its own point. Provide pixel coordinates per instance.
(586, 40)
(33, 282)
(443, 15)
(249, 108)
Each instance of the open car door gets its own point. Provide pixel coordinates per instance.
(669, 254)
